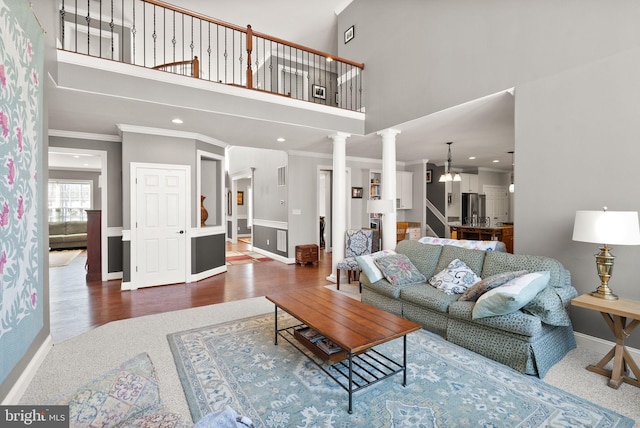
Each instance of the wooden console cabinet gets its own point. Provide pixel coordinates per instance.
(499, 233)
(94, 245)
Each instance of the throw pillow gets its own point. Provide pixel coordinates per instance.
(368, 266)
(479, 288)
(399, 270)
(510, 296)
(455, 279)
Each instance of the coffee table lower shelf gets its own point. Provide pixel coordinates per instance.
(352, 372)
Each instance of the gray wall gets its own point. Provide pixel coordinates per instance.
(574, 66)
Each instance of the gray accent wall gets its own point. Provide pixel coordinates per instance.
(574, 70)
(208, 252)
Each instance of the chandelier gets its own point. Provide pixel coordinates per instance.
(447, 176)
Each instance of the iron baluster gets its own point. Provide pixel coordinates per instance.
(62, 15)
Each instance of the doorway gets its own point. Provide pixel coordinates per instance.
(241, 200)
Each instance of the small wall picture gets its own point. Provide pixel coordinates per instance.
(429, 174)
(349, 34)
(319, 92)
(240, 197)
(356, 192)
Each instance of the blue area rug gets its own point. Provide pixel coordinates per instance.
(237, 364)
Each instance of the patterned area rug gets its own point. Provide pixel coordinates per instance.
(244, 257)
(237, 364)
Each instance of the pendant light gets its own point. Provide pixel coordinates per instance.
(447, 176)
(512, 186)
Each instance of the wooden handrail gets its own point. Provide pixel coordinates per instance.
(254, 33)
(195, 66)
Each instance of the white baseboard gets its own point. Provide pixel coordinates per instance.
(601, 346)
(273, 256)
(18, 390)
(208, 273)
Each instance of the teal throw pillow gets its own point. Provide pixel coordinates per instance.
(510, 296)
(479, 288)
(368, 266)
(455, 278)
(399, 270)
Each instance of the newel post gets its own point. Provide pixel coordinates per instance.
(195, 67)
(249, 49)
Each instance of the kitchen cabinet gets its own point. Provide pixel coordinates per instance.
(469, 183)
(404, 190)
(499, 233)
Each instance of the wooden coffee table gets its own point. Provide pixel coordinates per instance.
(354, 326)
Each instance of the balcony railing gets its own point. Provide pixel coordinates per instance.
(161, 36)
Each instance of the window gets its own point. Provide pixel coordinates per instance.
(68, 200)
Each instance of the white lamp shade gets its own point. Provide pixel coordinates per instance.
(607, 227)
(380, 206)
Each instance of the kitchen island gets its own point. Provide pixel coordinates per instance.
(483, 233)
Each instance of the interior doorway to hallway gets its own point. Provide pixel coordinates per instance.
(324, 208)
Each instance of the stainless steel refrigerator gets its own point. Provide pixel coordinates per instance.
(474, 209)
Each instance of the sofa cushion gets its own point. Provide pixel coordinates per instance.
(479, 288)
(423, 256)
(57, 228)
(426, 296)
(472, 258)
(511, 296)
(548, 306)
(516, 322)
(455, 279)
(398, 270)
(496, 262)
(368, 266)
(76, 227)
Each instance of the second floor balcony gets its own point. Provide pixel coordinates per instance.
(160, 36)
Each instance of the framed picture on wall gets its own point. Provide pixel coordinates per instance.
(356, 192)
(319, 92)
(240, 197)
(349, 34)
(429, 174)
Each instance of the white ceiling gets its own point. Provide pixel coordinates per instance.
(482, 128)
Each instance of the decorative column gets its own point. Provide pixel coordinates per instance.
(339, 210)
(389, 186)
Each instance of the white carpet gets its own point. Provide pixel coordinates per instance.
(62, 257)
(76, 361)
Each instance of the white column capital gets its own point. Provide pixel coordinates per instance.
(389, 132)
(340, 136)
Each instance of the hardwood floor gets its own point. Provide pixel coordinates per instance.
(77, 306)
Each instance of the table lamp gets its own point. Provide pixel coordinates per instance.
(382, 207)
(606, 227)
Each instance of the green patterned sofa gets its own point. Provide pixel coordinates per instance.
(530, 340)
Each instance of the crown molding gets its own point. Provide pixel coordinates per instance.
(83, 135)
(170, 133)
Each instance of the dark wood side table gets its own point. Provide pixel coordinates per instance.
(622, 316)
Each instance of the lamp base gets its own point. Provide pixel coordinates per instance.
(604, 293)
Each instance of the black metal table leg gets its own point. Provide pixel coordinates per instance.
(350, 383)
(275, 339)
(404, 361)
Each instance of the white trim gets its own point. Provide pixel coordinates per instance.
(271, 223)
(20, 387)
(208, 273)
(123, 127)
(114, 231)
(197, 232)
(601, 346)
(84, 135)
(273, 256)
(114, 275)
(205, 85)
(126, 235)
(293, 71)
(220, 204)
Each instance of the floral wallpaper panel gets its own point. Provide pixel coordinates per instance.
(21, 151)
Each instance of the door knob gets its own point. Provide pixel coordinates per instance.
(181, 232)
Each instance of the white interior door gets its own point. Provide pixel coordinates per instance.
(161, 220)
(497, 200)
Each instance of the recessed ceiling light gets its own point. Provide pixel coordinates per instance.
(76, 157)
(496, 161)
(472, 157)
(329, 59)
(280, 140)
(178, 121)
